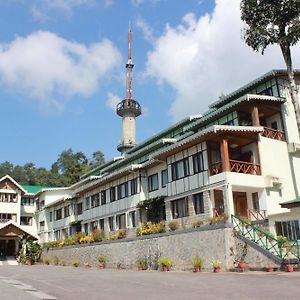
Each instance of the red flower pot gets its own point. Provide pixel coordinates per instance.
(242, 265)
(197, 269)
(165, 269)
(217, 270)
(289, 268)
(269, 269)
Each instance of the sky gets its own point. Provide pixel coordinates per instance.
(62, 69)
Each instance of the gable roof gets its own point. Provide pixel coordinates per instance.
(12, 223)
(7, 177)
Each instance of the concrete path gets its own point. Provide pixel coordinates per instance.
(69, 283)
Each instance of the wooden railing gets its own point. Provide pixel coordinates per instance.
(257, 214)
(244, 167)
(273, 134)
(236, 166)
(216, 168)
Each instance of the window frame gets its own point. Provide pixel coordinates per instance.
(151, 187)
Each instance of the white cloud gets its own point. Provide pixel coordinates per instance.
(146, 29)
(202, 58)
(50, 69)
(112, 101)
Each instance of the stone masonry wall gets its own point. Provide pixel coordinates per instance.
(209, 242)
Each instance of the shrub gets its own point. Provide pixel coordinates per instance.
(70, 240)
(197, 261)
(121, 234)
(77, 236)
(197, 223)
(282, 239)
(62, 263)
(165, 262)
(219, 219)
(86, 240)
(173, 225)
(151, 228)
(55, 260)
(216, 263)
(75, 263)
(102, 258)
(141, 263)
(46, 261)
(98, 235)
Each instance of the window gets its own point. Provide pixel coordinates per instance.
(180, 208)
(42, 226)
(112, 194)
(87, 203)
(79, 208)
(123, 190)
(132, 218)
(198, 203)
(27, 201)
(101, 224)
(94, 225)
(57, 235)
(289, 229)
(133, 186)
(58, 214)
(8, 197)
(66, 211)
(103, 197)
(274, 125)
(180, 169)
(50, 216)
(164, 178)
(153, 182)
(95, 200)
(121, 221)
(6, 217)
(111, 223)
(255, 201)
(27, 221)
(198, 164)
(86, 228)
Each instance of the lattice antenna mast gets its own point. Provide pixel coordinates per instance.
(129, 67)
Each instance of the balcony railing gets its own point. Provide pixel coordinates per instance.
(257, 214)
(244, 167)
(237, 167)
(273, 134)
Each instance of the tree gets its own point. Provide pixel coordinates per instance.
(71, 165)
(271, 22)
(6, 168)
(97, 160)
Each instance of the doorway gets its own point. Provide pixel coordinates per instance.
(240, 204)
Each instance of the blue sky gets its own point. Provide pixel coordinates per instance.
(62, 69)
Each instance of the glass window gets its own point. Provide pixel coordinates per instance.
(79, 208)
(66, 211)
(103, 197)
(27, 221)
(111, 223)
(101, 224)
(164, 178)
(50, 216)
(180, 169)
(87, 203)
(255, 201)
(180, 208)
(95, 200)
(198, 163)
(112, 194)
(153, 182)
(122, 190)
(121, 221)
(198, 203)
(133, 186)
(58, 214)
(132, 218)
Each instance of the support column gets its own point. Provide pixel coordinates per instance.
(228, 200)
(168, 211)
(255, 116)
(224, 155)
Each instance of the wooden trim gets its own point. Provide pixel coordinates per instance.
(255, 116)
(225, 155)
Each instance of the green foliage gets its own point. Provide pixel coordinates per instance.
(102, 258)
(30, 250)
(142, 262)
(165, 262)
(270, 22)
(197, 223)
(65, 171)
(218, 219)
(197, 261)
(151, 228)
(173, 225)
(216, 263)
(55, 261)
(75, 263)
(282, 239)
(46, 261)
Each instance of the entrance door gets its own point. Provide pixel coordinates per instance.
(11, 248)
(240, 204)
(2, 248)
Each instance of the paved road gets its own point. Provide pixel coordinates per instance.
(66, 283)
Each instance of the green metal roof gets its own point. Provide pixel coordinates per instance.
(291, 203)
(33, 189)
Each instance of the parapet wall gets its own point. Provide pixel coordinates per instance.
(209, 242)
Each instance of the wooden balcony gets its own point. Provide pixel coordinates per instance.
(237, 167)
(274, 134)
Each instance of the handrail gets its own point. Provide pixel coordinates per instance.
(265, 240)
(274, 134)
(244, 167)
(257, 214)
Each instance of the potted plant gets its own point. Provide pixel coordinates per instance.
(269, 269)
(216, 264)
(76, 263)
(242, 265)
(141, 263)
(197, 262)
(289, 268)
(165, 264)
(102, 261)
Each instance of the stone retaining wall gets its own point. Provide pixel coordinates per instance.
(209, 242)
